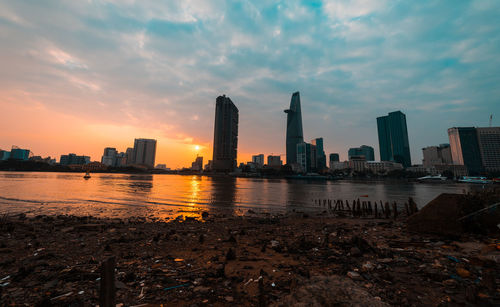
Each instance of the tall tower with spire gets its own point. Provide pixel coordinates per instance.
(294, 134)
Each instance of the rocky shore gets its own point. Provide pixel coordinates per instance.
(253, 260)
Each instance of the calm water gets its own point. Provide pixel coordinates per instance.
(121, 195)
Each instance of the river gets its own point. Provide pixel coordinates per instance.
(166, 196)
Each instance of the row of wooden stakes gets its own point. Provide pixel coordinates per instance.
(360, 208)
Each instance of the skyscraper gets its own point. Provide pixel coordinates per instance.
(393, 138)
(145, 152)
(476, 148)
(225, 135)
(294, 134)
(489, 146)
(306, 157)
(320, 154)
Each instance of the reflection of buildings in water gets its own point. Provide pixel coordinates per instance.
(223, 192)
(297, 196)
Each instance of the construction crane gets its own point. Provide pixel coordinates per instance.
(491, 119)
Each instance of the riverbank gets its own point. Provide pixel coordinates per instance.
(225, 260)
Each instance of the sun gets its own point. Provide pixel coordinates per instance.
(197, 147)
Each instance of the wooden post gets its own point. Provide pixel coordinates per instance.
(107, 294)
(347, 205)
(375, 209)
(407, 209)
(395, 209)
(387, 210)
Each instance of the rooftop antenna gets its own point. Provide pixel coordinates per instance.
(491, 119)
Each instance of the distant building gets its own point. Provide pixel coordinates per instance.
(489, 146)
(109, 156)
(393, 138)
(320, 154)
(274, 161)
(121, 159)
(334, 157)
(436, 155)
(383, 166)
(19, 154)
(465, 150)
(47, 160)
(225, 135)
(306, 157)
(4, 155)
(197, 165)
(357, 163)
(337, 165)
(258, 160)
(94, 166)
(73, 159)
(145, 152)
(161, 166)
(294, 134)
(129, 153)
(363, 151)
(208, 166)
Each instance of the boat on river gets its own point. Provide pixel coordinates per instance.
(87, 176)
(480, 180)
(430, 178)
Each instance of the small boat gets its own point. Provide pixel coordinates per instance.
(432, 178)
(480, 180)
(87, 175)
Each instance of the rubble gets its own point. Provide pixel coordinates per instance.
(248, 261)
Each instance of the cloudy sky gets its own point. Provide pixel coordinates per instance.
(76, 76)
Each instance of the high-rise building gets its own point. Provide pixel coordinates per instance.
(334, 157)
(73, 159)
(306, 157)
(258, 160)
(129, 153)
(465, 148)
(363, 151)
(109, 156)
(320, 154)
(197, 165)
(145, 152)
(476, 148)
(294, 134)
(393, 138)
(489, 146)
(437, 155)
(225, 135)
(274, 161)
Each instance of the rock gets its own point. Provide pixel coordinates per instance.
(229, 299)
(201, 289)
(330, 291)
(354, 275)
(367, 266)
(450, 283)
(463, 273)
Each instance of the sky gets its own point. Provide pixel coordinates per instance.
(78, 76)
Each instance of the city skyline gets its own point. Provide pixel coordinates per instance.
(112, 75)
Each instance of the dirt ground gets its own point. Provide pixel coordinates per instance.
(247, 261)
